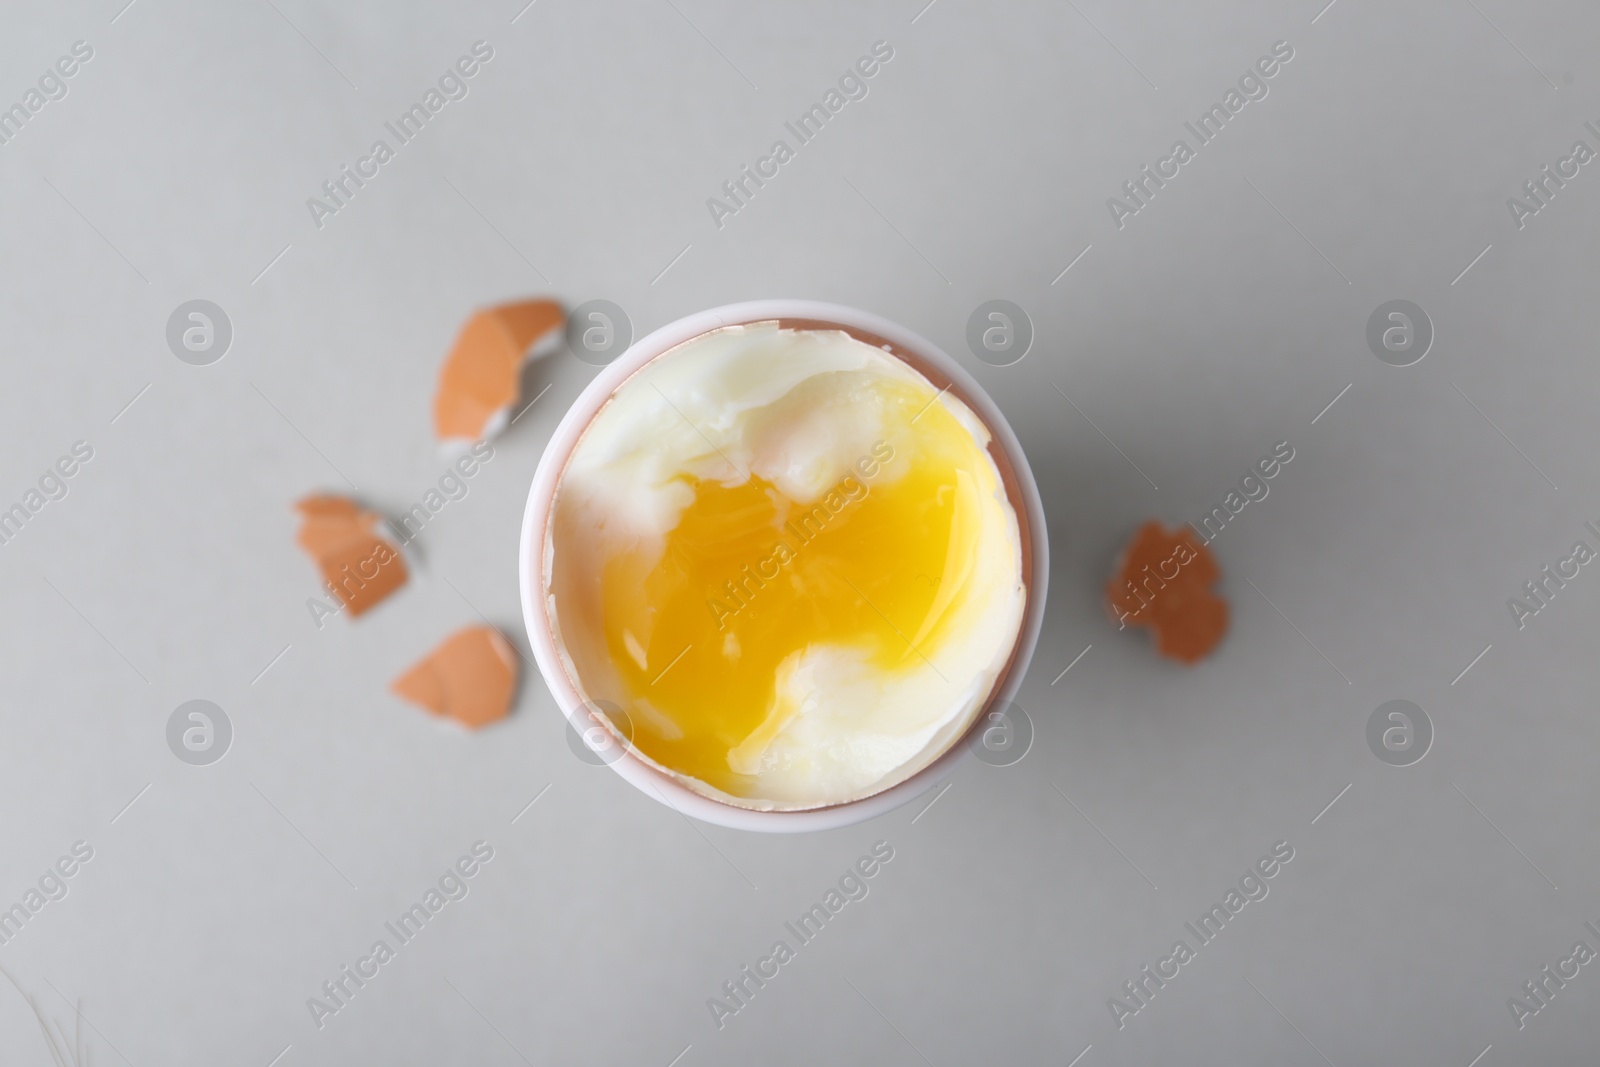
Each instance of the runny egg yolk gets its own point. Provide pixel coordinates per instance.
(702, 631)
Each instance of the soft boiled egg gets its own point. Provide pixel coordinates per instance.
(787, 563)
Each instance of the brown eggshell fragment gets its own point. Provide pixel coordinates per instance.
(469, 678)
(479, 380)
(1163, 580)
(361, 567)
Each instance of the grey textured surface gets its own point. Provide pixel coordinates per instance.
(1220, 319)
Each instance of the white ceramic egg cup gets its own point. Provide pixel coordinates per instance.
(935, 365)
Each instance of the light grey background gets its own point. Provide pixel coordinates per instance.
(1221, 319)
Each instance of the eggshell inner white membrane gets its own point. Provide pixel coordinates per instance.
(840, 727)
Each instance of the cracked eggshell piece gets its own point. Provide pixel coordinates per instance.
(479, 381)
(469, 678)
(357, 564)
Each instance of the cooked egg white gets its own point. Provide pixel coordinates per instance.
(790, 561)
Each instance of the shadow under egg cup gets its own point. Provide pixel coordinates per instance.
(941, 370)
